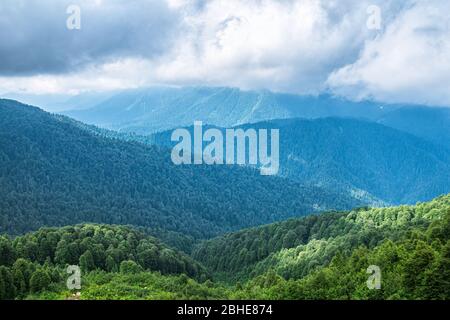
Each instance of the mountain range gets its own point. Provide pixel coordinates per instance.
(375, 163)
(149, 110)
(54, 173)
(213, 224)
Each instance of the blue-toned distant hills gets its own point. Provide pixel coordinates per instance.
(146, 111)
(381, 153)
(372, 162)
(432, 124)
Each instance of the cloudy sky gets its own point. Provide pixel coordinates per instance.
(390, 50)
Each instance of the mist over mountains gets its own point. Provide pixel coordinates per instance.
(156, 109)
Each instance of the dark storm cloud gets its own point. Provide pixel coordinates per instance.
(34, 38)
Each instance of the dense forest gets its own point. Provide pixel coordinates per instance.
(31, 263)
(317, 257)
(54, 173)
(104, 202)
(368, 160)
(296, 247)
(416, 267)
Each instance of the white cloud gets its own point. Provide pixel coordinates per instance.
(280, 45)
(117, 75)
(409, 62)
(301, 46)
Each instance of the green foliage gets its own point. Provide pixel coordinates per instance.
(6, 252)
(7, 287)
(87, 261)
(42, 256)
(327, 258)
(147, 286)
(415, 267)
(40, 281)
(102, 247)
(295, 248)
(129, 267)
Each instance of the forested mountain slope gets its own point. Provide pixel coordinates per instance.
(31, 263)
(430, 123)
(318, 257)
(377, 164)
(53, 173)
(369, 160)
(415, 265)
(295, 248)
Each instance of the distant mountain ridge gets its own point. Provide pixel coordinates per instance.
(373, 162)
(154, 109)
(160, 108)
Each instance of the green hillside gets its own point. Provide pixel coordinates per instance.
(36, 261)
(294, 248)
(317, 257)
